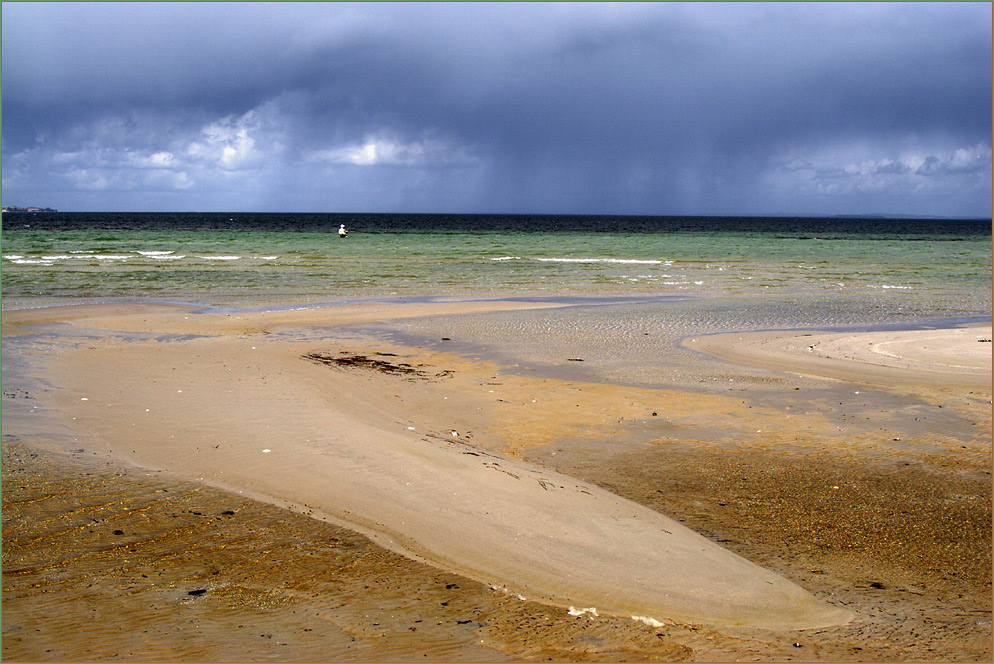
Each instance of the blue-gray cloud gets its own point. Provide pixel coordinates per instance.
(655, 108)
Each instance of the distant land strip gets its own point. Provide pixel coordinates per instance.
(14, 208)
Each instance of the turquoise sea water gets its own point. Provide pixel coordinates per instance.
(938, 273)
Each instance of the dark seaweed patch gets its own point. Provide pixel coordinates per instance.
(364, 362)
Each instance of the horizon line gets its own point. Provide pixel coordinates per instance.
(784, 215)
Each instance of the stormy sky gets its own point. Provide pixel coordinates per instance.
(580, 108)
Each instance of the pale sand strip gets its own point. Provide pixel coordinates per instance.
(949, 357)
(234, 410)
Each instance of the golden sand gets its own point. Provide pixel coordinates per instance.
(558, 511)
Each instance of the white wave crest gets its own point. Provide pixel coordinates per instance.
(626, 261)
(32, 261)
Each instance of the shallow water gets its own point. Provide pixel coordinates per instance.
(942, 267)
(637, 341)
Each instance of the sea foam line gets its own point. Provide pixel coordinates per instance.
(76, 255)
(31, 261)
(627, 261)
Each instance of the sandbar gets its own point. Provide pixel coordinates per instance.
(953, 356)
(451, 463)
(253, 415)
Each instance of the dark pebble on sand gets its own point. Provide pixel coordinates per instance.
(118, 532)
(198, 592)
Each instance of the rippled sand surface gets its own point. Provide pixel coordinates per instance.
(872, 499)
(107, 564)
(102, 563)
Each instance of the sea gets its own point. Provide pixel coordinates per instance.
(905, 265)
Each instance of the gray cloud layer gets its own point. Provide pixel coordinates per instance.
(650, 108)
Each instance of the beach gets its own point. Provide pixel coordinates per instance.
(482, 332)
(293, 484)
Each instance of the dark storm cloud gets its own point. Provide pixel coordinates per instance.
(562, 107)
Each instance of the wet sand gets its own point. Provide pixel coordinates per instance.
(814, 508)
(918, 358)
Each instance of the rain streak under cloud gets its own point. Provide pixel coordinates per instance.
(642, 108)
